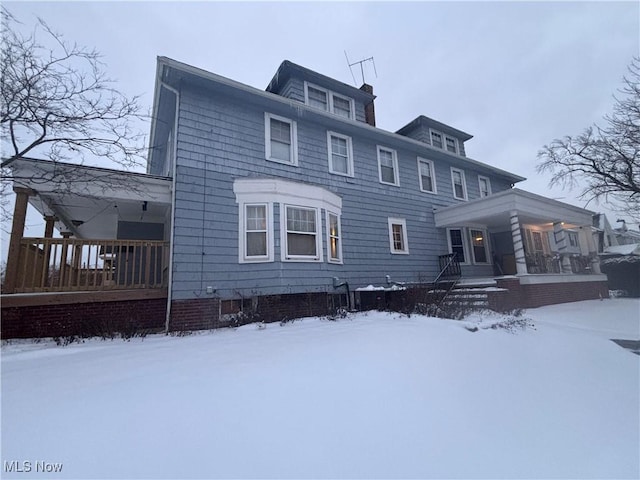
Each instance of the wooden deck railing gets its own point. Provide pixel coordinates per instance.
(65, 264)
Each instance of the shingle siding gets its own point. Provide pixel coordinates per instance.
(221, 139)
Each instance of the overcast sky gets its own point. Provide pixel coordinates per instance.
(515, 75)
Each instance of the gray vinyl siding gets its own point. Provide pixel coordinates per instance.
(221, 140)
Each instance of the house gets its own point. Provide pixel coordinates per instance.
(289, 201)
(619, 252)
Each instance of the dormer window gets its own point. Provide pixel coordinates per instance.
(436, 139)
(328, 101)
(452, 144)
(317, 98)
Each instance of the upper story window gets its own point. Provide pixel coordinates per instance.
(398, 236)
(280, 139)
(388, 166)
(340, 154)
(452, 144)
(328, 101)
(459, 184)
(317, 97)
(341, 106)
(427, 176)
(436, 139)
(485, 186)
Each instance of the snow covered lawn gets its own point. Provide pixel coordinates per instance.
(375, 395)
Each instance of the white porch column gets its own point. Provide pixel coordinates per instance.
(560, 237)
(594, 259)
(518, 247)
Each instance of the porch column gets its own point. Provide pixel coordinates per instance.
(17, 232)
(560, 237)
(50, 221)
(594, 259)
(518, 247)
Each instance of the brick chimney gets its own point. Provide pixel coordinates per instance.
(369, 110)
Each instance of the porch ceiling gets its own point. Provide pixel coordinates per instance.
(494, 211)
(89, 201)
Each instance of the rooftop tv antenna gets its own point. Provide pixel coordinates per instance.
(360, 62)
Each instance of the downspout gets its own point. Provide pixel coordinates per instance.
(173, 201)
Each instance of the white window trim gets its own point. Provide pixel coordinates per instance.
(242, 234)
(349, 154)
(432, 169)
(283, 236)
(464, 184)
(431, 130)
(351, 105)
(316, 87)
(485, 236)
(329, 258)
(403, 222)
(330, 95)
(396, 173)
(480, 178)
(455, 144)
(465, 245)
(267, 139)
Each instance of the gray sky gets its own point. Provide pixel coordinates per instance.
(515, 75)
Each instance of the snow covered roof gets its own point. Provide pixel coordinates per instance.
(631, 249)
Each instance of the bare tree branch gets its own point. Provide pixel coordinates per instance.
(603, 161)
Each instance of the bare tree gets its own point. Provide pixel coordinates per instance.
(603, 161)
(57, 102)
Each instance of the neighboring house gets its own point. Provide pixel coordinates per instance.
(619, 251)
(274, 201)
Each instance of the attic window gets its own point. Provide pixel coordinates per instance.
(317, 98)
(436, 139)
(329, 101)
(451, 144)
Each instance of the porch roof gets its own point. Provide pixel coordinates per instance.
(89, 201)
(494, 211)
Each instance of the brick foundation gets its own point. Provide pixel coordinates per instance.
(553, 293)
(83, 319)
(207, 313)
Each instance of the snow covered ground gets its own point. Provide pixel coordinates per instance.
(375, 395)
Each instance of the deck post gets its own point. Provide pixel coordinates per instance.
(560, 237)
(518, 246)
(17, 232)
(50, 221)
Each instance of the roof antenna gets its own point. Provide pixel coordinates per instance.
(361, 62)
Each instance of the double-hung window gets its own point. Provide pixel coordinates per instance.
(456, 244)
(280, 139)
(256, 233)
(479, 245)
(427, 176)
(317, 97)
(398, 236)
(301, 233)
(340, 154)
(328, 101)
(451, 144)
(388, 166)
(341, 106)
(485, 186)
(436, 139)
(334, 237)
(459, 184)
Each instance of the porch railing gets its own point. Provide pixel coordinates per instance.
(544, 263)
(65, 264)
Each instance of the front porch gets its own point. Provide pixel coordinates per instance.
(542, 250)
